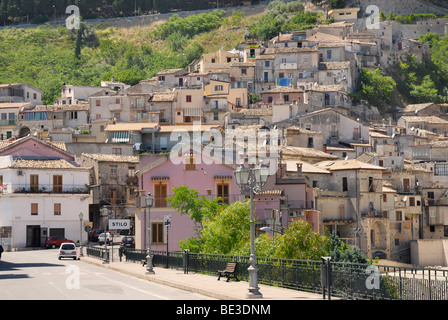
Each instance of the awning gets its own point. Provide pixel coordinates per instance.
(120, 137)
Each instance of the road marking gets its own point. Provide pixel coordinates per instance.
(134, 288)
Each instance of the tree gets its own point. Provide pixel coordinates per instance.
(377, 88)
(342, 252)
(336, 4)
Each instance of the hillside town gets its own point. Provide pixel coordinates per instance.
(379, 182)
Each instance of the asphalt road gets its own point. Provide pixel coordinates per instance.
(39, 275)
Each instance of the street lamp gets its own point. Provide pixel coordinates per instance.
(80, 233)
(251, 180)
(149, 199)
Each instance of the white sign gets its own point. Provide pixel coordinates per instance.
(119, 224)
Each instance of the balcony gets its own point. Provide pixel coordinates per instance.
(115, 107)
(45, 188)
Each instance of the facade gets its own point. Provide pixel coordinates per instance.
(159, 175)
(43, 192)
(113, 184)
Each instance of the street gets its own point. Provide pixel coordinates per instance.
(39, 275)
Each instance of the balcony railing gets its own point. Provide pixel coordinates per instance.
(44, 188)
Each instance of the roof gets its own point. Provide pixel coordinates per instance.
(351, 164)
(305, 152)
(290, 50)
(291, 165)
(334, 65)
(45, 164)
(19, 105)
(427, 119)
(416, 107)
(323, 37)
(110, 157)
(188, 128)
(343, 10)
(131, 126)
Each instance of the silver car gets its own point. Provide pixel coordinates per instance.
(68, 250)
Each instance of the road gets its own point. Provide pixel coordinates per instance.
(39, 275)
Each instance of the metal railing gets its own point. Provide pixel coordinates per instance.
(347, 280)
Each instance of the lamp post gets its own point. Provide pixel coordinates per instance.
(80, 234)
(149, 199)
(251, 180)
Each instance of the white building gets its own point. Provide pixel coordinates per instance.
(41, 198)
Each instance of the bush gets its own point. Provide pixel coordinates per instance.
(39, 20)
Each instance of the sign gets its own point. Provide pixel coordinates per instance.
(118, 224)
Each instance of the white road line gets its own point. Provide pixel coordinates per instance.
(133, 288)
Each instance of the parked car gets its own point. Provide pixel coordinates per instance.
(103, 237)
(68, 250)
(55, 242)
(128, 242)
(93, 236)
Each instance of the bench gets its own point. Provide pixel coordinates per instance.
(230, 270)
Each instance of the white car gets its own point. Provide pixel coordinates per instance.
(101, 237)
(68, 250)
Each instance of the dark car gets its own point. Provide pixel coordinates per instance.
(128, 242)
(94, 234)
(55, 241)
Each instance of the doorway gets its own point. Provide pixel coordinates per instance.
(33, 236)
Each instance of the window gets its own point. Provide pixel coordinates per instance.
(113, 171)
(328, 54)
(57, 183)
(266, 63)
(116, 151)
(344, 184)
(223, 192)
(384, 197)
(215, 116)
(190, 162)
(219, 88)
(398, 216)
(34, 209)
(98, 103)
(157, 232)
(441, 170)
(57, 209)
(411, 201)
(286, 97)
(188, 98)
(131, 171)
(244, 71)
(34, 182)
(371, 187)
(34, 96)
(160, 193)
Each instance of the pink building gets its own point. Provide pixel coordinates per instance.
(159, 175)
(286, 197)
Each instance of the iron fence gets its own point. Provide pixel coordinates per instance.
(345, 280)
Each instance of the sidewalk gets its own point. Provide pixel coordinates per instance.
(203, 284)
